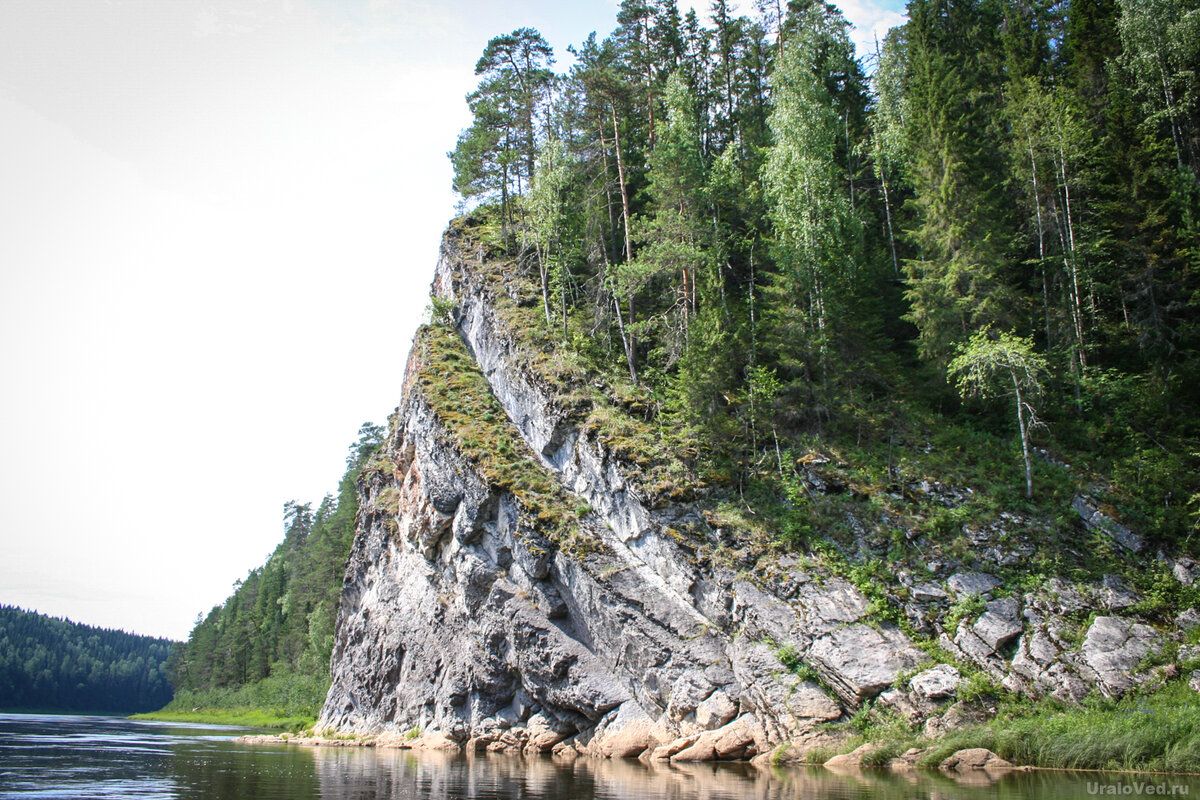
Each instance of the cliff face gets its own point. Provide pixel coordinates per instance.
(510, 588)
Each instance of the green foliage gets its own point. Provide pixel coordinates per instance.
(967, 607)
(459, 395)
(268, 645)
(989, 364)
(51, 664)
(284, 699)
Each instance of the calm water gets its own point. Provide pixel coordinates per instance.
(105, 757)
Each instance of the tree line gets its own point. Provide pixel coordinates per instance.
(279, 621)
(770, 237)
(51, 664)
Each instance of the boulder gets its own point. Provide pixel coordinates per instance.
(853, 759)
(716, 711)
(1113, 648)
(626, 732)
(972, 583)
(1186, 571)
(1000, 623)
(734, 742)
(928, 592)
(975, 758)
(937, 683)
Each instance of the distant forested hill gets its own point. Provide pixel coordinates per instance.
(51, 664)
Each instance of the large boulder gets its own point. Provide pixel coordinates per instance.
(1112, 650)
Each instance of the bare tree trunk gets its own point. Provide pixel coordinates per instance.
(887, 215)
(545, 275)
(625, 341)
(1041, 231)
(624, 190)
(1024, 438)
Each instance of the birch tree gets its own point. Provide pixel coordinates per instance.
(995, 364)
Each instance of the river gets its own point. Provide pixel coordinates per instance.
(43, 756)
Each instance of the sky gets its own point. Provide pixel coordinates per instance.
(218, 224)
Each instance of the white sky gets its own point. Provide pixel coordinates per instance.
(218, 224)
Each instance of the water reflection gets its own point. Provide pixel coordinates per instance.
(351, 774)
(91, 757)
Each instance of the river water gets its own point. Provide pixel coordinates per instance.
(107, 757)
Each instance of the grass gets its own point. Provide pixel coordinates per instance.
(284, 701)
(461, 398)
(243, 716)
(1154, 733)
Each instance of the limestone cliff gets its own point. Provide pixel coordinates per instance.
(511, 586)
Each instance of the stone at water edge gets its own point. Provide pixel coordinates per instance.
(975, 758)
(853, 759)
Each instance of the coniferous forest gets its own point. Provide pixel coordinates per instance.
(50, 664)
(267, 646)
(993, 219)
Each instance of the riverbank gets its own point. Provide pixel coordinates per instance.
(244, 717)
(1155, 733)
(1138, 733)
(285, 701)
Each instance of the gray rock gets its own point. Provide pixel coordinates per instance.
(1096, 520)
(1186, 571)
(1188, 619)
(999, 624)
(973, 759)
(1113, 648)
(689, 691)
(972, 583)
(807, 701)
(928, 593)
(716, 711)
(859, 662)
(1194, 681)
(937, 683)
(1058, 597)
(1116, 595)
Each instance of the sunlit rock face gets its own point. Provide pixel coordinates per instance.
(468, 620)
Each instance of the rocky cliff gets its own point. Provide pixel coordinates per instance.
(515, 583)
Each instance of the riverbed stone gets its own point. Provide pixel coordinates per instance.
(974, 758)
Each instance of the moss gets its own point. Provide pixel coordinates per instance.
(459, 396)
(659, 459)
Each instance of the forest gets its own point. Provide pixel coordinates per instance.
(992, 219)
(267, 646)
(51, 664)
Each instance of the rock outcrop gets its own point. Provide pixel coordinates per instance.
(510, 588)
